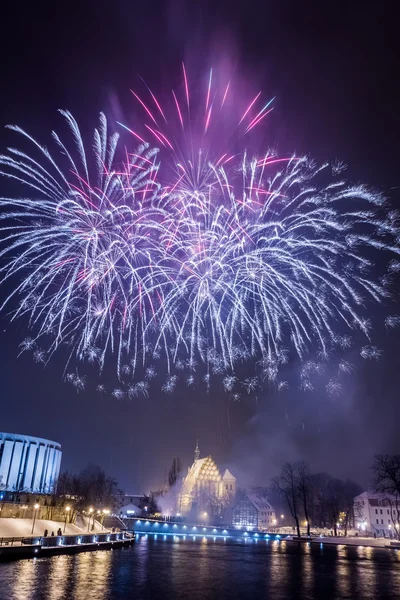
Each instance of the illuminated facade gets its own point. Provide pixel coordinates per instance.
(204, 488)
(377, 514)
(253, 512)
(28, 464)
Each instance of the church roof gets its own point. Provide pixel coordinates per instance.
(202, 469)
(228, 475)
(259, 502)
(196, 466)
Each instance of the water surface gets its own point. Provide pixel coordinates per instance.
(196, 569)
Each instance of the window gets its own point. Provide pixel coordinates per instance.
(388, 520)
(377, 521)
(363, 502)
(382, 521)
(230, 487)
(226, 485)
(388, 511)
(244, 514)
(381, 511)
(376, 511)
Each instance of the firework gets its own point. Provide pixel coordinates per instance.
(190, 254)
(84, 242)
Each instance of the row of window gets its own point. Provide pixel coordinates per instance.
(377, 521)
(376, 511)
(265, 521)
(380, 502)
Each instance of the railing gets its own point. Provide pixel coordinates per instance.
(65, 540)
(10, 541)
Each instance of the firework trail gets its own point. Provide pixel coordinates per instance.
(79, 251)
(191, 254)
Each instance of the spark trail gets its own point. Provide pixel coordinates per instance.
(189, 253)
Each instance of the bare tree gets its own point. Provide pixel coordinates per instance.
(320, 483)
(335, 493)
(286, 484)
(387, 481)
(173, 478)
(350, 491)
(92, 487)
(173, 473)
(304, 484)
(148, 504)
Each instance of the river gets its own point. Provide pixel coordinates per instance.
(175, 569)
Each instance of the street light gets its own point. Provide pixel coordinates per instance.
(90, 514)
(34, 516)
(67, 509)
(282, 516)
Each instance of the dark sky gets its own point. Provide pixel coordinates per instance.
(333, 68)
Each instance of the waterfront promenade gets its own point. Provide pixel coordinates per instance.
(10, 527)
(39, 547)
(160, 528)
(17, 541)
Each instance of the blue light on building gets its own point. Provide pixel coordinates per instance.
(28, 464)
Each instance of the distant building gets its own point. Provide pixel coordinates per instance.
(376, 513)
(204, 488)
(122, 500)
(28, 464)
(253, 512)
(128, 510)
(127, 505)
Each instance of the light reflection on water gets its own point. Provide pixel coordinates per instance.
(207, 568)
(59, 575)
(24, 583)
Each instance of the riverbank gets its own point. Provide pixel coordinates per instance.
(154, 527)
(11, 527)
(39, 547)
(340, 541)
(348, 541)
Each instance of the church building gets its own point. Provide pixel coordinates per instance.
(204, 488)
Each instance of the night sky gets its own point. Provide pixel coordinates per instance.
(333, 68)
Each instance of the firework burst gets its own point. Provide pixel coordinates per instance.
(84, 243)
(214, 259)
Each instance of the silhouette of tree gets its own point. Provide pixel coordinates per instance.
(286, 484)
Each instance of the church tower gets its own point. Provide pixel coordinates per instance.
(197, 452)
(204, 488)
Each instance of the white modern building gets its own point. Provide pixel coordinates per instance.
(28, 464)
(376, 513)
